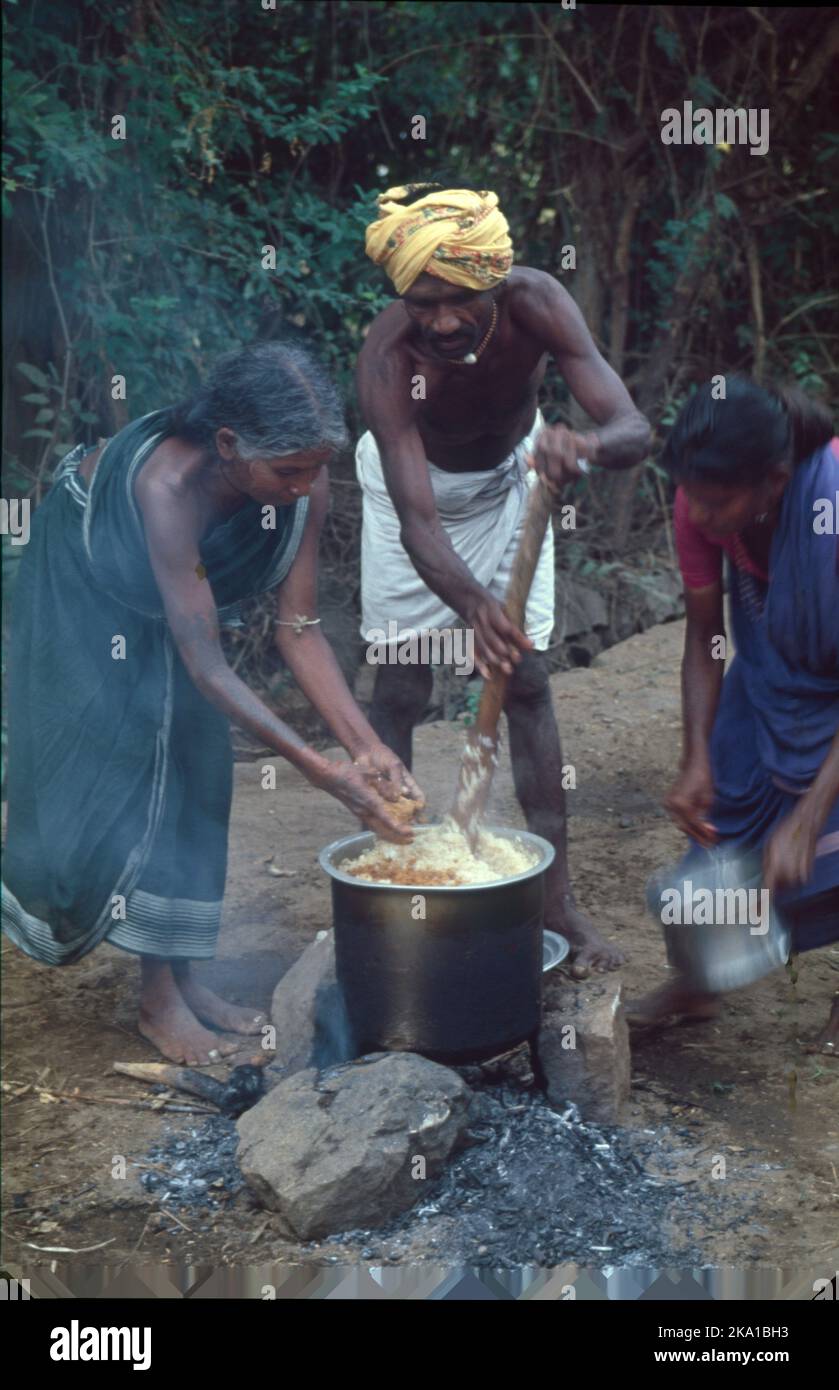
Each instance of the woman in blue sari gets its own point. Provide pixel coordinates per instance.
(121, 699)
(758, 482)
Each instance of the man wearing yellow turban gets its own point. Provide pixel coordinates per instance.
(459, 236)
(448, 382)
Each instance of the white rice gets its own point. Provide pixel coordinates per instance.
(440, 856)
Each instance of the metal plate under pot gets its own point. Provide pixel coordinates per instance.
(555, 948)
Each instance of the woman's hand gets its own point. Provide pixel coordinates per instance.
(351, 787)
(791, 849)
(387, 774)
(689, 801)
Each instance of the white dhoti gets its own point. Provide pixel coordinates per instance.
(483, 515)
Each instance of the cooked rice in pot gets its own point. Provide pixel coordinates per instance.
(440, 857)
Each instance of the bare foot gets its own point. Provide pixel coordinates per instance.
(671, 1002)
(175, 1031)
(588, 949)
(230, 1018)
(167, 1020)
(827, 1043)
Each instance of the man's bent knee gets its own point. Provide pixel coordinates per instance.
(403, 690)
(528, 686)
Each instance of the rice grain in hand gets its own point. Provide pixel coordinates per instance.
(403, 809)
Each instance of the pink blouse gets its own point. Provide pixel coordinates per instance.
(700, 555)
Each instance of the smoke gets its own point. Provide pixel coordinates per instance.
(334, 1041)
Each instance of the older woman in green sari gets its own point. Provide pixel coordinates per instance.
(120, 696)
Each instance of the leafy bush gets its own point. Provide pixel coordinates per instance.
(248, 128)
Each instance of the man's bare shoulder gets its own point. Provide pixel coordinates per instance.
(529, 289)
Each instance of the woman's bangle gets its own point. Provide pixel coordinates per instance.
(298, 622)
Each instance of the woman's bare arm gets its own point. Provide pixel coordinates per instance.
(308, 655)
(702, 672)
(173, 522)
(690, 799)
(312, 662)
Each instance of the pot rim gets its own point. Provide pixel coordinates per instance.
(548, 853)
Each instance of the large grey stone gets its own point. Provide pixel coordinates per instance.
(663, 596)
(579, 609)
(584, 1047)
(340, 1150)
(308, 1014)
(644, 599)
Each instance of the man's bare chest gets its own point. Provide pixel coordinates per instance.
(478, 425)
(466, 402)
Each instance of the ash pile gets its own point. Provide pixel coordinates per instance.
(524, 1184)
(195, 1168)
(537, 1186)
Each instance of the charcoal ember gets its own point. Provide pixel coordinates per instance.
(513, 1068)
(476, 1134)
(483, 1108)
(472, 1075)
(243, 1088)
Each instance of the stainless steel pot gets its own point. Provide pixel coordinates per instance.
(738, 939)
(461, 982)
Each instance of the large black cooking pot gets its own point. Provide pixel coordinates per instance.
(460, 984)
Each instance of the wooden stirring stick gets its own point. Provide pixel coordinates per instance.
(481, 753)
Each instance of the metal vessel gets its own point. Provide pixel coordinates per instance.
(452, 973)
(720, 926)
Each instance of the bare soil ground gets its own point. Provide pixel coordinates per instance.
(740, 1087)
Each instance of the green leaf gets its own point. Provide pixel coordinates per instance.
(667, 41)
(725, 207)
(33, 374)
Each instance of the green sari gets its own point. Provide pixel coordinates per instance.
(119, 772)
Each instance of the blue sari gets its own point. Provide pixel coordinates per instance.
(779, 706)
(120, 772)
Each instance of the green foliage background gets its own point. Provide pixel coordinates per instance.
(249, 126)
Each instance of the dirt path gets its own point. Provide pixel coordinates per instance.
(741, 1087)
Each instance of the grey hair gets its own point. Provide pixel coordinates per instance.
(275, 397)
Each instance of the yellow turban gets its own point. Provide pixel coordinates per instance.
(452, 233)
